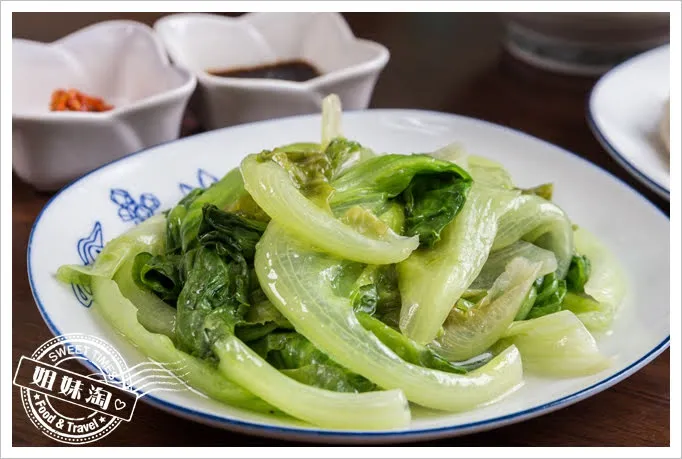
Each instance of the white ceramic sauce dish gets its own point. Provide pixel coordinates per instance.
(201, 43)
(122, 62)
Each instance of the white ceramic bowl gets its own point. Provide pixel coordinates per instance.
(201, 42)
(583, 43)
(120, 61)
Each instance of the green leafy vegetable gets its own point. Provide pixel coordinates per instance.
(331, 284)
(527, 304)
(414, 353)
(152, 312)
(299, 282)
(556, 345)
(260, 319)
(540, 222)
(375, 292)
(433, 191)
(550, 292)
(308, 169)
(108, 262)
(216, 277)
(497, 262)
(432, 280)
(297, 358)
(238, 363)
(123, 315)
(578, 273)
(374, 410)
(159, 273)
(606, 283)
(470, 333)
(220, 194)
(489, 173)
(273, 190)
(484, 171)
(431, 202)
(343, 153)
(544, 191)
(331, 119)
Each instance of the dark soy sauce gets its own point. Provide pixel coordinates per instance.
(295, 70)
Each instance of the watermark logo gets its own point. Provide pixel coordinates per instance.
(71, 405)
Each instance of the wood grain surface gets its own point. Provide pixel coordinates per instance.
(446, 62)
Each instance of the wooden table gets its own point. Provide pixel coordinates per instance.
(450, 63)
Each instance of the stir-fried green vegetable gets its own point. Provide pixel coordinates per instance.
(557, 344)
(331, 284)
(432, 280)
(300, 282)
(469, 333)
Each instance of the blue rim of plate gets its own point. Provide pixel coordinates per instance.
(268, 430)
(620, 159)
(609, 147)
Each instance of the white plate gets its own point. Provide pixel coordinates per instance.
(625, 108)
(89, 210)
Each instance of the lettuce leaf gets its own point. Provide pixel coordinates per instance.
(376, 410)
(414, 353)
(112, 273)
(220, 194)
(606, 284)
(432, 280)
(556, 345)
(432, 191)
(271, 187)
(540, 222)
(578, 273)
(236, 363)
(470, 333)
(296, 357)
(300, 283)
(550, 294)
(497, 262)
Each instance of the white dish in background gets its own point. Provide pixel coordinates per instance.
(109, 201)
(582, 43)
(625, 109)
(202, 42)
(122, 62)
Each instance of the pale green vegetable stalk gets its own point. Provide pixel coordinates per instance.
(199, 374)
(541, 222)
(497, 262)
(488, 172)
(331, 119)
(152, 312)
(556, 345)
(432, 280)
(453, 152)
(238, 365)
(469, 333)
(122, 314)
(271, 187)
(607, 282)
(484, 171)
(299, 282)
(151, 233)
(336, 410)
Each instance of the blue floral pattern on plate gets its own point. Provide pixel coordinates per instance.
(205, 179)
(131, 210)
(88, 248)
